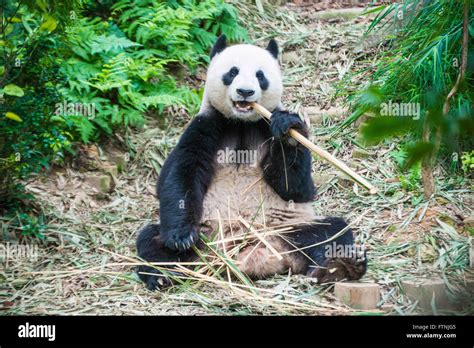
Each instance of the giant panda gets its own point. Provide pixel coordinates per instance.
(201, 191)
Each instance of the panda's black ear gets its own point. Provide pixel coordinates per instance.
(219, 46)
(273, 48)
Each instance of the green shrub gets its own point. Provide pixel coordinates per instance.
(29, 72)
(76, 71)
(422, 65)
(124, 66)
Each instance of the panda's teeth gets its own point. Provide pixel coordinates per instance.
(242, 106)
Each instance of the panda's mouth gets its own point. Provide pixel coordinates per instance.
(242, 106)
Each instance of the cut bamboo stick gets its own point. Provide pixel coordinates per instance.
(320, 152)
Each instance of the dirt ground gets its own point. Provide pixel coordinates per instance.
(85, 262)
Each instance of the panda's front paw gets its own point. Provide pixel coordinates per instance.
(337, 269)
(180, 238)
(282, 122)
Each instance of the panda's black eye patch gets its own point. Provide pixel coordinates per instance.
(230, 75)
(262, 80)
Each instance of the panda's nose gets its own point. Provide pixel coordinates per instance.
(245, 92)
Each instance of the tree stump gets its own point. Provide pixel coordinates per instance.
(358, 295)
(430, 294)
(471, 256)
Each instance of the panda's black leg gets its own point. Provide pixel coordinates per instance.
(151, 248)
(334, 260)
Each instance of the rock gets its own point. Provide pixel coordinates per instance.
(87, 158)
(100, 182)
(120, 159)
(358, 295)
(111, 169)
(428, 291)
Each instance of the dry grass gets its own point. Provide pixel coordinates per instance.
(86, 260)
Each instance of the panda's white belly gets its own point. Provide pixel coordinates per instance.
(240, 192)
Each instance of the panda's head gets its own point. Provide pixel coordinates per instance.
(242, 74)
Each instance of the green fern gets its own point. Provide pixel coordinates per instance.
(122, 65)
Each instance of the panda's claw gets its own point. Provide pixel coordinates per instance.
(181, 239)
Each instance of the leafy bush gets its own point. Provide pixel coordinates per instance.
(124, 66)
(467, 160)
(80, 70)
(29, 139)
(424, 65)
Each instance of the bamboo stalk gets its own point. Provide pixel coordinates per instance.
(262, 239)
(320, 152)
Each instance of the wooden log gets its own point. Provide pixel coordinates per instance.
(358, 295)
(430, 293)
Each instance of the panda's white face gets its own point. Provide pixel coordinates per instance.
(239, 75)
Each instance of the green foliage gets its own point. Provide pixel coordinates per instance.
(124, 66)
(420, 65)
(29, 140)
(411, 181)
(30, 225)
(467, 159)
(79, 70)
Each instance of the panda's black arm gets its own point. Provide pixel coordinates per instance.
(287, 166)
(184, 180)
